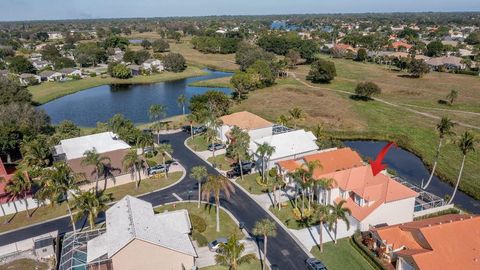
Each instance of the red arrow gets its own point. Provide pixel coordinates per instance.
(377, 165)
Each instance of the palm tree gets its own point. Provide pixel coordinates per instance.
(165, 149)
(466, 144)
(444, 128)
(265, 151)
(325, 184)
(19, 187)
(297, 114)
(265, 228)
(284, 120)
(36, 154)
(3, 180)
(338, 212)
(304, 177)
(214, 185)
(90, 204)
(101, 165)
(452, 96)
(58, 181)
(323, 214)
(239, 146)
(199, 173)
(156, 112)
(211, 137)
(181, 102)
(230, 253)
(133, 163)
(144, 139)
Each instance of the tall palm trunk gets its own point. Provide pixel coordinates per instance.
(241, 168)
(3, 213)
(437, 155)
(26, 205)
(199, 192)
(183, 109)
(91, 220)
(335, 232)
(70, 213)
(137, 182)
(139, 176)
(265, 240)
(165, 166)
(320, 234)
(217, 199)
(458, 180)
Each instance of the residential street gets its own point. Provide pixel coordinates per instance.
(283, 250)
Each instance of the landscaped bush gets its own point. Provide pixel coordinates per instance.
(198, 223)
(440, 213)
(356, 242)
(200, 238)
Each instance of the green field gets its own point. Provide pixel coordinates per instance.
(49, 91)
(341, 256)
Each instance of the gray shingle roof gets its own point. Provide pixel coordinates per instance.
(131, 218)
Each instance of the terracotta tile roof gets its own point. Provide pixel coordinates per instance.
(245, 120)
(376, 190)
(331, 161)
(446, 242)
(346, 47)
(398, 44)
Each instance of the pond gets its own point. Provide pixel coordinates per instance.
(87, 107)
(411, 168)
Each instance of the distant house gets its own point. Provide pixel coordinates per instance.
(35, 57)
(55, 35)
(28, 78)
(444, 242)
(69, 72)
(41, 64)
(256, 126)
(289, 145)
(137, 238)
(135, 69)
(401, 46)
(106, 144)
(341, 49)
(151, 64)
(50, 76)
(3, 73)
(447, 62)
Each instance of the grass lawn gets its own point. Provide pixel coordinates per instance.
(48, 212)
(221, 162)
(25, 264)
(341, 256)
(250, 184)
(253, 265)
(214, 83)
(207, 212)
(197, 143)
(48, 91)
(345, 118)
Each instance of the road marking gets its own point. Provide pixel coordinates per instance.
(176, 196)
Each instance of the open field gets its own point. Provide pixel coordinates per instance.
(207, 212)
(49, 91)
(49, 212)
(213, 83)
(341, 256)
(345, 118)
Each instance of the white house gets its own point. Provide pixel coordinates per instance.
(153, 64)
(372, 199)
(69, 72)
(256, 126)
(50, 76)
(41, 64)
(137, 238)
(55, 35)
(27, 78)
(289, 145)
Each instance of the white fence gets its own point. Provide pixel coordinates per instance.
(12, 207)
(432, 210)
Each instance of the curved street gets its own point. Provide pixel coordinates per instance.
(282, 249)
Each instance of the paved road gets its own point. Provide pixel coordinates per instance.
(283, 250)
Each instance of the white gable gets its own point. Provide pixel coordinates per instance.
(101, 142)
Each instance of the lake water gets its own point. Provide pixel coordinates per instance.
(411, 168)
(87, 107)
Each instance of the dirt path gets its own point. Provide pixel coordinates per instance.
(401, 106)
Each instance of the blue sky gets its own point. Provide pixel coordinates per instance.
(84, 9)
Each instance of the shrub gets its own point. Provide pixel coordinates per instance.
(367, 89)
(418, 68)
(198, 223)
(160, 45)
(322, 71)
(200, 238)
(93, 74)
(174, 62)
(121, 71)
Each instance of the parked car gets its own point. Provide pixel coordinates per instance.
(186, 129)
(314, 264)
(198, 130)
(216, 146)
(274, 266)
(157, 169)
(215, 244)
(241, 225)
(247, 167)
